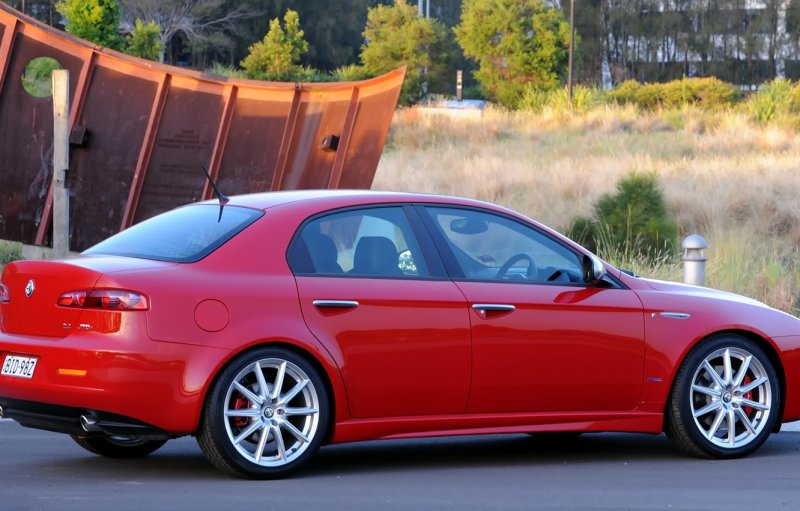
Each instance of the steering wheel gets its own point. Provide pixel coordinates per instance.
(501, 273)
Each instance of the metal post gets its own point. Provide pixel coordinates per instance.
(60, 162)
(571, 49)
(694, 259)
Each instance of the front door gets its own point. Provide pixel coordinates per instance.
(543, 340)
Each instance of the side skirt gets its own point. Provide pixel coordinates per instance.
(354, 430)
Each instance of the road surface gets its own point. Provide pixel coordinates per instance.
(41, 470)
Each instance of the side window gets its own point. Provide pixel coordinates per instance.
(364, 242)
(487, 246)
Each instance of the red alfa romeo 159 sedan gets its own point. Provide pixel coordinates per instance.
(285, 321)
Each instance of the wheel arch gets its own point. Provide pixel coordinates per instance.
(762, 342)
(298, 350)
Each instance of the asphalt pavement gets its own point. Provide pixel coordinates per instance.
(608, 471)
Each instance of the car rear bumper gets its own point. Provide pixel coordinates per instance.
(76, 421)
(130, 381)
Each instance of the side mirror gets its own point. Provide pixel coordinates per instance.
(593, 269)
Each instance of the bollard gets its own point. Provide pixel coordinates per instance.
(694, 259)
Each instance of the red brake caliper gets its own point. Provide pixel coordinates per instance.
(240, 404)
(749, 396)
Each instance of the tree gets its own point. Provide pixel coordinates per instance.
(94, 20)
(43, 10)
(397, 35)
(277, 56)
(333, 30)
(200, 21)
(516, 43)
(145, 41)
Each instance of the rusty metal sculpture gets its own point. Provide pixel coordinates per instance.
(141, 131)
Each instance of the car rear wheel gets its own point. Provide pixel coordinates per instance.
(725, 400)
(265, 416)
(118, 446)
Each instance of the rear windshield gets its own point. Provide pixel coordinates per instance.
(183, 235)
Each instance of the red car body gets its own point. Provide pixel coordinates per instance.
(417, 357)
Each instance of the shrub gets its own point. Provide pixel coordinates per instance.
(533, 100)
(37, 78)
(9, 252)
(277, 56)
(631, 223)
(626, 92)
(145, 41)
(773, 100)
(349, 73)
(94, 20)
(583, 99)
(706, 93)
(227, 71)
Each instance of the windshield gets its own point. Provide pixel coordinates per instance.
(183, 235)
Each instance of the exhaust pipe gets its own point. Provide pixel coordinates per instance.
(89, 424)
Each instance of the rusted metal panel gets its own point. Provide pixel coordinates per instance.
(101, 173)
(7, 34)
(184, 144)
(370, 129)
(146, 151)
(26, 143)
(77, 106)
(228, 105)
(344, 142)
(151, 127)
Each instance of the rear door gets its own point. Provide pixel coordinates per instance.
(374, 292)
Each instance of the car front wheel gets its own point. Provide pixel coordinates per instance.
(265, 416)
(725, 400)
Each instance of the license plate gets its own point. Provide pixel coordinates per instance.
(19, 367)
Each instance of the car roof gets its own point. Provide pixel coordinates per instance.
(338, 198)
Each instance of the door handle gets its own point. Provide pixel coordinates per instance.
(338, 304)
(485, 308)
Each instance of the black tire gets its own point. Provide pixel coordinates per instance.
(276, 436)
(118, 446)
(701, 406)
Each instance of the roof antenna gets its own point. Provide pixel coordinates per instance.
(223, 199)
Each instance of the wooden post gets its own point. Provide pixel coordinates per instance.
(60, 162)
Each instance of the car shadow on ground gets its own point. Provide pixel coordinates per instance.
(483, 451)
(182, 459)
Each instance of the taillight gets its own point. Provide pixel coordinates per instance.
(5, 297)
(107, 299)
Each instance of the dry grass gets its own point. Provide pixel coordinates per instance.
(735, 182)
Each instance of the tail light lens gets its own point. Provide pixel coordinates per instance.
(106, 299)
(5, 297)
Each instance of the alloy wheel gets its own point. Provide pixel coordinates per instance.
(731, 397)
(271, 412)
